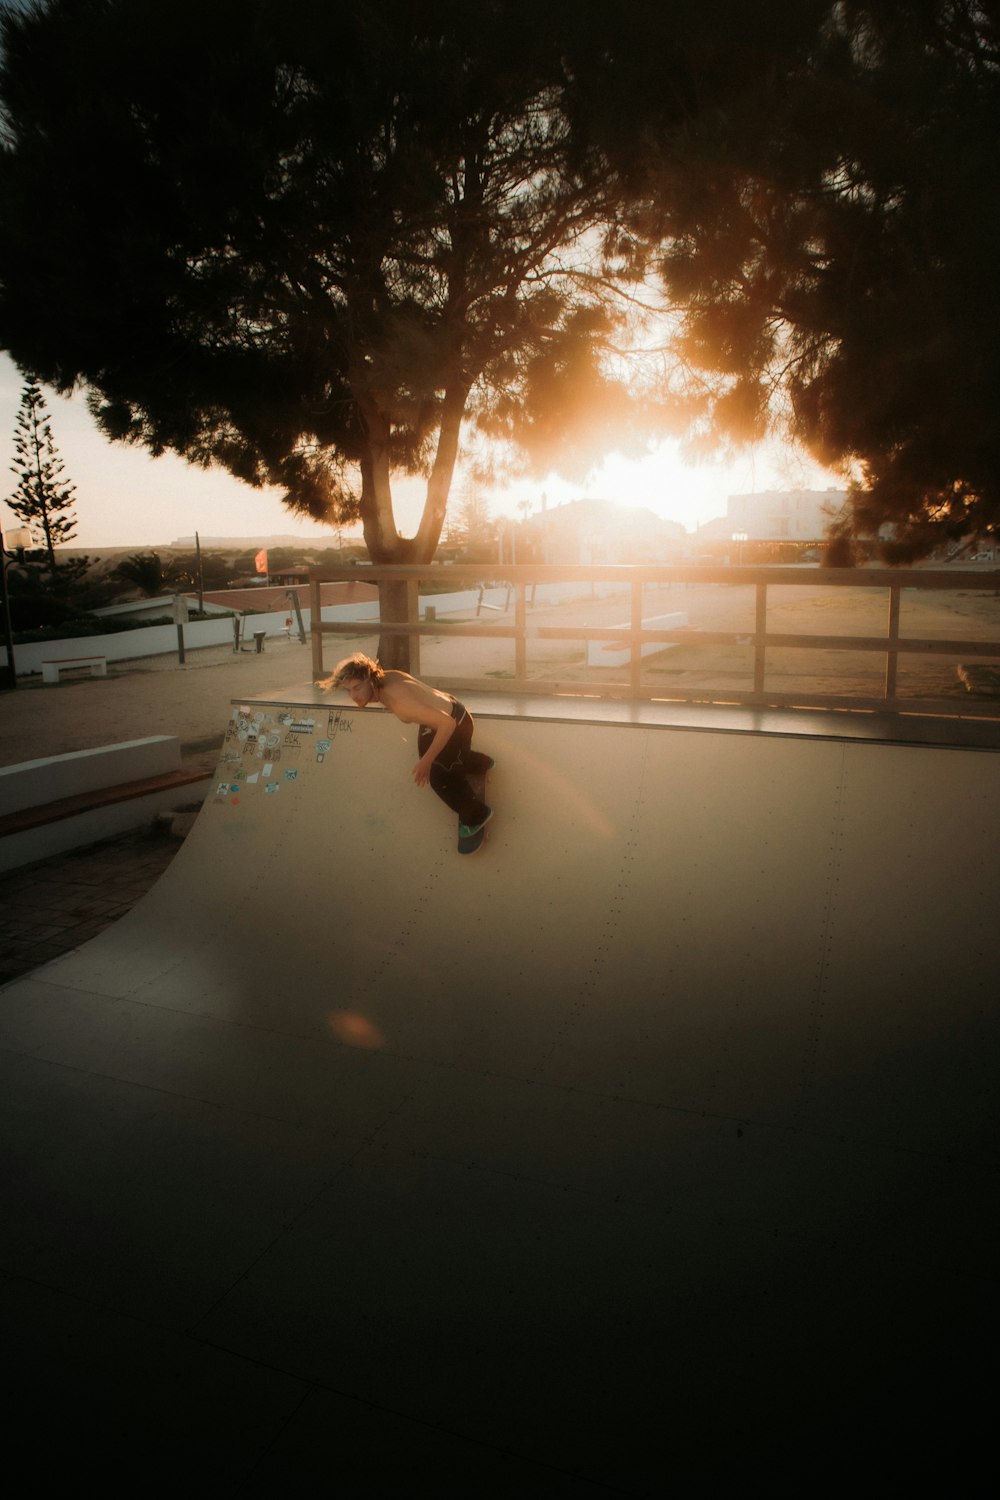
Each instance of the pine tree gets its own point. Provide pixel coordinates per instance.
(42, 499)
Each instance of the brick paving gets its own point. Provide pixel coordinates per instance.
(50, 907)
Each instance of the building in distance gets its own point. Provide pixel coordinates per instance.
(776, 516)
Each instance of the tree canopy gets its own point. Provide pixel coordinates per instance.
(302, 241)
(310, 242)
(831, 235)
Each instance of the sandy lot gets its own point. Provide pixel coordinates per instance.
(158, 696)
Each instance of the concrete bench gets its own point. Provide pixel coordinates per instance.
(67, 801)
(98, 666)
(616, 654)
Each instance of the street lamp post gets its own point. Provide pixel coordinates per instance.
(11, 550)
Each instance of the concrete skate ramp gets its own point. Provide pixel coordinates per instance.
(651, 1148)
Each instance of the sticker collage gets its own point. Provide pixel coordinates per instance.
(266, 749)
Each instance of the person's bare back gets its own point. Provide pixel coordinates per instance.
(412, 701)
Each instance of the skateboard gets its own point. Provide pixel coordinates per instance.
(477, 780)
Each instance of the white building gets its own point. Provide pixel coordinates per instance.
(777, 516)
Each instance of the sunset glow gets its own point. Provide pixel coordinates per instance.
(690, 494)
(127, 498)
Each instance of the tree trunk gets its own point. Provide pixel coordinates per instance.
(439, 482)
(383, 541)
(398, 602)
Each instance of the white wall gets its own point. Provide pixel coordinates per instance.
(161, 640)
(34, 782)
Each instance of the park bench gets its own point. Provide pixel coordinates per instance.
(98, 666)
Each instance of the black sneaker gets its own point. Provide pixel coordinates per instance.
(469, 830)
(471, 838)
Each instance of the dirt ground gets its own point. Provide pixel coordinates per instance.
(158, 696)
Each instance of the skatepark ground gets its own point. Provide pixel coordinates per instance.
(652, 1150)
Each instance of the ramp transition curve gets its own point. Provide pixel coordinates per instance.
(652, 1148)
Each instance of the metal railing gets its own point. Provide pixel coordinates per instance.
(523, 630)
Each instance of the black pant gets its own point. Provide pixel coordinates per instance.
(450, 769)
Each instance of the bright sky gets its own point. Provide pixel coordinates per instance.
(124, 498)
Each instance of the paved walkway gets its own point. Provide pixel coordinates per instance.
(48, 908)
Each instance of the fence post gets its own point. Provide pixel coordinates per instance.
(316, 628)
(635, 663)
(759, 641)
(521, 629)
(413, 618)
(892, 655)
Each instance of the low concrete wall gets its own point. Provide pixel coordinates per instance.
(35, 782)
(89, 827)
(161, 640)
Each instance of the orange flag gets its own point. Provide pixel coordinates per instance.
(260, 561)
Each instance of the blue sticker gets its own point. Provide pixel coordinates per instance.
(323, 746)
(291, 775)
(271, 786)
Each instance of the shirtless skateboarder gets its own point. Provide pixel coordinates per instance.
(444, 738)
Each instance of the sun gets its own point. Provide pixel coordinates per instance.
(693, 493)
(666, 483)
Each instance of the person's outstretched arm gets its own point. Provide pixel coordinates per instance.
(444, 727)
(414, 703)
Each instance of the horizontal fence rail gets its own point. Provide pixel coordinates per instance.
(399, 589)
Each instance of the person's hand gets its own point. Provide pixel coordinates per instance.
(422, 771)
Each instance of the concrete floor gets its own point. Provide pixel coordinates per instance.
(652, 1149)
(55, 905)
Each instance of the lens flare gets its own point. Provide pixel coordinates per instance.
(354, 1029)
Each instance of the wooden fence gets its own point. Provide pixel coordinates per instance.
(522, 629)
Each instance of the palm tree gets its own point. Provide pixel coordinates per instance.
(146, 572)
